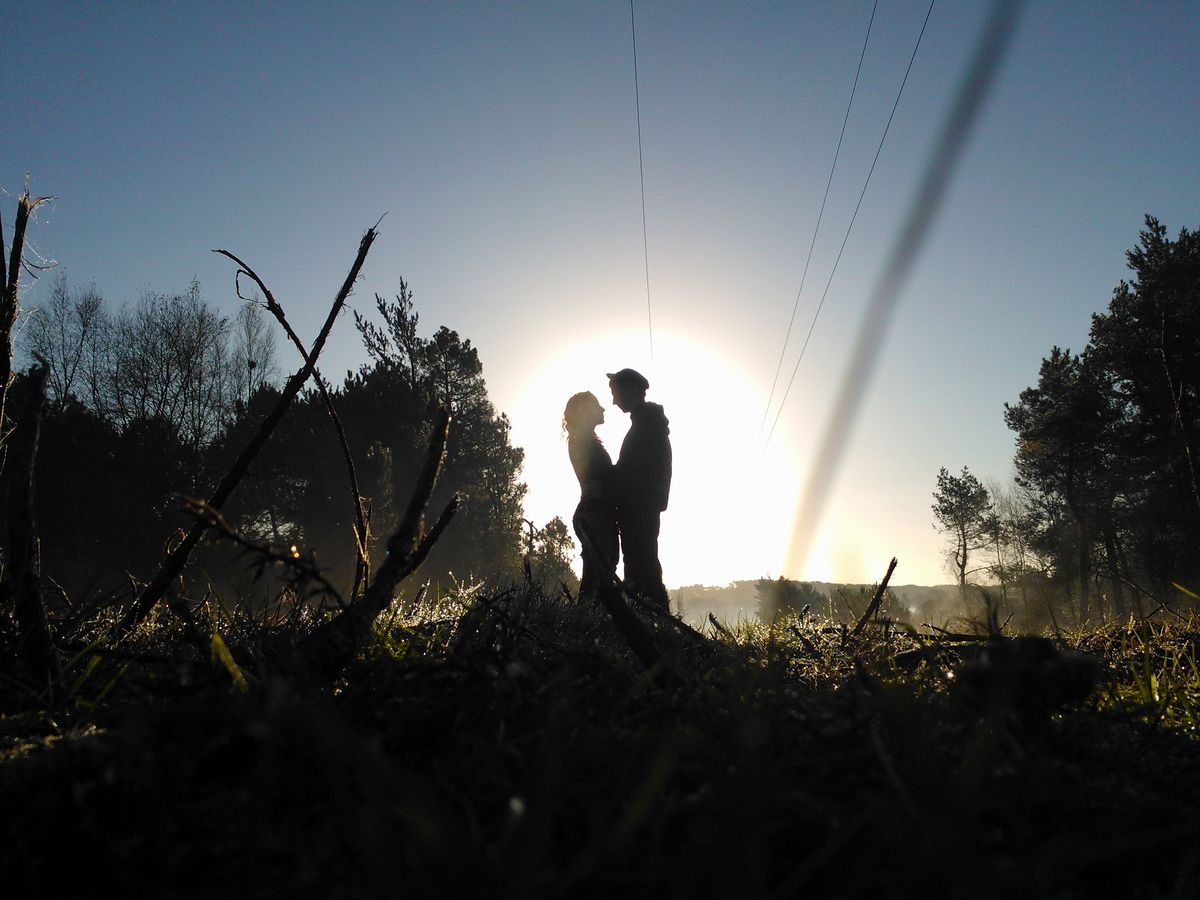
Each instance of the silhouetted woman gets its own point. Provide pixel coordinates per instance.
(595, 517)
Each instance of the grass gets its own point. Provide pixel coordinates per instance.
(1157, 673)
(506, 743)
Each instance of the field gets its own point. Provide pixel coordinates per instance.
(506, 742)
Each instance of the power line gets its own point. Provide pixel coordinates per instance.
(962, 118)
(641, 178)
(820, 215)
(850, 227)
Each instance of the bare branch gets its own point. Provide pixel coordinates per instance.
(331, 645)
(362, 565)
(291, 559)
(10, 287)
(178, 558)
(877, 599)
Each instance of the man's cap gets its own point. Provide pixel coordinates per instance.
(630, 377)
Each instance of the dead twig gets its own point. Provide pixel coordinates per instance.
(724, 632)
(800, 636)
(953, 637)
(1159, 605)
(10, 286)
(178, 557)
(876, 600)
(362, 567)
(331, 645)
(293, 560)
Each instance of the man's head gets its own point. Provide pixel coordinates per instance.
(628, 389)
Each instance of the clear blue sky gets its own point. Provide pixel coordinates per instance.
(500, 139)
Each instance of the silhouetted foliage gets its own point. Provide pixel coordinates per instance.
(137, 398)
(412, 375)
(1105, 438)
(156, 399)
(1146, 349)
(783, 596)
(549, 550)
(963, 510)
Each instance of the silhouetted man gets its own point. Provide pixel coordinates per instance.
(643, 483)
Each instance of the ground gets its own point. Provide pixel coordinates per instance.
(507, 742)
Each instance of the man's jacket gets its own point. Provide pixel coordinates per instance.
(643, 470)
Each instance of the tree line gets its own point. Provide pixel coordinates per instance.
(154, 399)
(1103, 518)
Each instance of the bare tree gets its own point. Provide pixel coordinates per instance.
(167, 358)
(62, 331)
(253, 363)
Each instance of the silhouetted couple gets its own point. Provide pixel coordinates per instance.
(622, 502)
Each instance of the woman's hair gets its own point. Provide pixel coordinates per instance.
(574, 415)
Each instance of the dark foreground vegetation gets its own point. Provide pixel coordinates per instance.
(508, 743)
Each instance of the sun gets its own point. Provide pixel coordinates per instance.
(731, 508)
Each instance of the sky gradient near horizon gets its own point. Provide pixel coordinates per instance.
(501, 142)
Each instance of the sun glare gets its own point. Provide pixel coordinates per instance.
(731, 508)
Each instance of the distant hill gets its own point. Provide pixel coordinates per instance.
(913, 603)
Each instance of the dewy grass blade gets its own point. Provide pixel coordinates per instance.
(1179, 587)
(220, 653)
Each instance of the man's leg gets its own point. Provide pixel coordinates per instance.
(639, 546)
